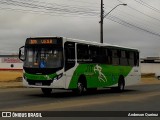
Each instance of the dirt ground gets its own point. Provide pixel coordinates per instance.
(10, 75)
(149, 80)
(13, 79)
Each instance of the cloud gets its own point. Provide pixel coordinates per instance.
(16, 26)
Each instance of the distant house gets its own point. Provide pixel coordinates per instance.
(150, 65)
(10, 62)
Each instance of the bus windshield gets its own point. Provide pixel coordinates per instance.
(43, 57)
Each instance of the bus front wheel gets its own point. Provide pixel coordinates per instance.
(46, 91)
(80, 88)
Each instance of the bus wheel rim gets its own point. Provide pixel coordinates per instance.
(80, 87)
(121, 86)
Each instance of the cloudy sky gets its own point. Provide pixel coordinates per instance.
(136, 25)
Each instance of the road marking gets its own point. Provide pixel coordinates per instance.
(84, 102)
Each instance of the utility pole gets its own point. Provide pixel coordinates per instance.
(103, 16)
(101, 22)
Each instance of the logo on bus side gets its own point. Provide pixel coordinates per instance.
(101, 76)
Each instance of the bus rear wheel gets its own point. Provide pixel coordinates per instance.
(46, 91)
(121, 84)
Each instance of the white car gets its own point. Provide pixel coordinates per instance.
(157, 75)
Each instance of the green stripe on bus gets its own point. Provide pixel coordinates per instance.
(40, 77)
(99, 75)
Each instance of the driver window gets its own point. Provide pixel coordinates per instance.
(54, 59)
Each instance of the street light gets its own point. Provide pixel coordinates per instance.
(113, 9)
(103, 16)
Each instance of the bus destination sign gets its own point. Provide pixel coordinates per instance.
(42, 41)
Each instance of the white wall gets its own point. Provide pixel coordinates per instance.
(150, 67)
(7, 63)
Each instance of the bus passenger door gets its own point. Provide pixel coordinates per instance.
(69, 50)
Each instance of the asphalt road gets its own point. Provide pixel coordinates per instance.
(134, 98)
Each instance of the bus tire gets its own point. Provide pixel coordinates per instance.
(81, 85)
(46, 91)
(121, 84)
(80, 88)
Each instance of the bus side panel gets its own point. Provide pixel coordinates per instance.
(72, 81)
(99, 75)
(107, 75)
(133, 77)
(71, 77)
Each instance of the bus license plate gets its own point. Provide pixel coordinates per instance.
(38, 84)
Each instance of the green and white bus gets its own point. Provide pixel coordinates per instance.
(78, 65)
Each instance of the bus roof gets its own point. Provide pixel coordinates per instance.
(90, 42)
(101, 44)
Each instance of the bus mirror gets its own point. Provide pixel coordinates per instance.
(21, 53)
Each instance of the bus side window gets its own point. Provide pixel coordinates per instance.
(102, 56)
(131, 58)
(115, 57)
(93, 51)
(136, 59)
(123, 58)
(69, 48)
(109, 56)
(82, 53)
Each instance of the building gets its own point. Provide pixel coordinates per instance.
(10, 62)
(150, 65)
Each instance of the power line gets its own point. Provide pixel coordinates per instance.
(89, 3)
(54, 8)
(67, 10)
(47, 13)
(84, 2)
(132, 26)
(51, 8)
(134, 17)
(147, 5)
(136, 20)
(140, 12)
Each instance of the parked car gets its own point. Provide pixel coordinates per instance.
(157, 75)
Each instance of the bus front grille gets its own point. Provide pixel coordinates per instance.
(40, 82)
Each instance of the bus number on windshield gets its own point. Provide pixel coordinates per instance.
(33, 42)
